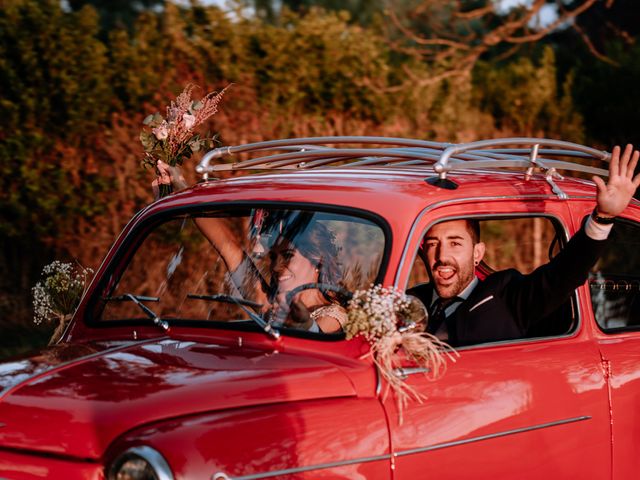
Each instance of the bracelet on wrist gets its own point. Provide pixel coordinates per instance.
(601, 220)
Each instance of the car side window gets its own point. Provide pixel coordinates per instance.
(520, 243)
(523, 244)
(614, 282)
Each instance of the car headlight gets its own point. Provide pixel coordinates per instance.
(140, 463)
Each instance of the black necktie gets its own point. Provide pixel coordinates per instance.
(437, 315)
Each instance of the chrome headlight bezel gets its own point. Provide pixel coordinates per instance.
(151, 456)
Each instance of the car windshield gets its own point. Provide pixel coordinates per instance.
(292, 269)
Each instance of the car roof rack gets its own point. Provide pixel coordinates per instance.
(531, 154)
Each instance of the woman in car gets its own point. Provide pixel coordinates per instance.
(302, 257)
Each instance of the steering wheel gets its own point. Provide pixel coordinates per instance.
(323, 287)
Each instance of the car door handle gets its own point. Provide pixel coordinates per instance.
(404, 372)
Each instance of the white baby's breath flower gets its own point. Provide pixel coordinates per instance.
(375, 313)
(391, 321)
(57, 294)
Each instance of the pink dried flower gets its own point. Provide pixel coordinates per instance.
(189, 120)
(161, 132)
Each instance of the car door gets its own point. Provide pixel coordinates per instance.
(525, 409)
(615, 299)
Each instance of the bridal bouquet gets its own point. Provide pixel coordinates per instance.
(393, 322)
(172, 139)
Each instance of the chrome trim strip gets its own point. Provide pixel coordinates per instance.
(290, 471)
(490, 436)
(404, 372)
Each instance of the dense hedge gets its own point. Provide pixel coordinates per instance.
(73, 98)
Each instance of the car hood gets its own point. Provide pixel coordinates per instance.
(75, 400)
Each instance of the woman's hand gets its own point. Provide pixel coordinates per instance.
(299, 316)
(166, 175)
(294, 315)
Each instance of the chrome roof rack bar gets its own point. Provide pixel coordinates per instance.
(441, 167)
(338, 154)
(529, 154)
(533, 161)
(545, 164)
(203, 166)
(541, 151)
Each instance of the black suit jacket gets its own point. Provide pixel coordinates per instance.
(507, 304)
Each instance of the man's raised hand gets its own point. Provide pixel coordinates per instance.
(614, 196)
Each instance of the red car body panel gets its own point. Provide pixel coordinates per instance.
(622, 357)
(333, 438)
(16, 465)
(484, 410)
(146, 382)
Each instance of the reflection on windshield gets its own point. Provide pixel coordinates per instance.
(288, 268)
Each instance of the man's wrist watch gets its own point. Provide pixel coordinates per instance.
(601, 220)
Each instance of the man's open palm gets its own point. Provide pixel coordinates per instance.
(614, 196)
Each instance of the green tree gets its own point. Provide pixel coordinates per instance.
(524, 96)
(362, 12)
(605, 58)
(56, 94)
(117, 13)
(318, 63)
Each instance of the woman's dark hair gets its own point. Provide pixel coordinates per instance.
(318, 245)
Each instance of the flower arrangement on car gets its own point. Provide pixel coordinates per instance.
(57, 295)
(393, 322)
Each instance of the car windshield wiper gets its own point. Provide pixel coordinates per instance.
(241, 302)
(138, 299)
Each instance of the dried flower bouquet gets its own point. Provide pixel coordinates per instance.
(173, 139)
(393, 323)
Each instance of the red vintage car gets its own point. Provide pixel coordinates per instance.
(173, 368)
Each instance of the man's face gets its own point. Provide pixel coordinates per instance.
(451, 257)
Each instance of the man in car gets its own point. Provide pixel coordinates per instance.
(464, 310)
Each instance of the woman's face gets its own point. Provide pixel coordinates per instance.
(290, 268)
